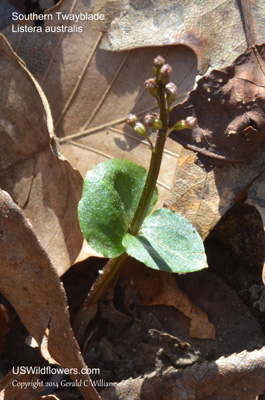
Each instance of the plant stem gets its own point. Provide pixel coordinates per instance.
(113, 265)
(154, 168)
(88, 310)
(105, 278)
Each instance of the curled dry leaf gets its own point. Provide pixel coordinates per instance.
(208, 185)
(32, 170)
(229, 107)
(240, 376)
(158, 287)
(27, 274)
(217, 33)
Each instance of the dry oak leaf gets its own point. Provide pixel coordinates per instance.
(10, 388)
(91, 91)
(217, 31)
(240, 376)
(30, 283)
(229, 105)
(203, 196)
(160, 288)
(32, 169)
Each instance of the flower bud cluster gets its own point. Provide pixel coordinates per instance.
(161, 81)
(165, 93)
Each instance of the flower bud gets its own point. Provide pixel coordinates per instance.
(152, 121)
(158, 63)
(179, 126)
(149, 120)
(165, 73)
(191, 122)
(140, 129)
(158, 124)
(171, 93)
(132, 119)
(151, 86)
(188, 123)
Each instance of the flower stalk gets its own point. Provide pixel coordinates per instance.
(165, 93)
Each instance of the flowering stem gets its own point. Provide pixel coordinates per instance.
(113, 265)
(154, 168)
(158, 88)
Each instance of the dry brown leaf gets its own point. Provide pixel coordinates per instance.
(4, 325)
(240, 376)
(39, 179)
(158, 287)
(204, 195)
(11, 387)
(91, 91)
(256, 198)
(68, 65)
(236, 327)
(217, 31)
(229, 106)
(232, 127)
(27, 274)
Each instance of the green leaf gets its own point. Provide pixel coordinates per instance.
(168, 242)
(111, 193)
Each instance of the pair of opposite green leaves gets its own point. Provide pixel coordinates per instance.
(166, 240)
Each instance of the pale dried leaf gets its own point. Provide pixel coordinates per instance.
(86, 252)
(91, 91)
(203, 196)
(39, 179)
(216, 31)
(27, 274)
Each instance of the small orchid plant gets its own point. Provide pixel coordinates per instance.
(115, 211)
